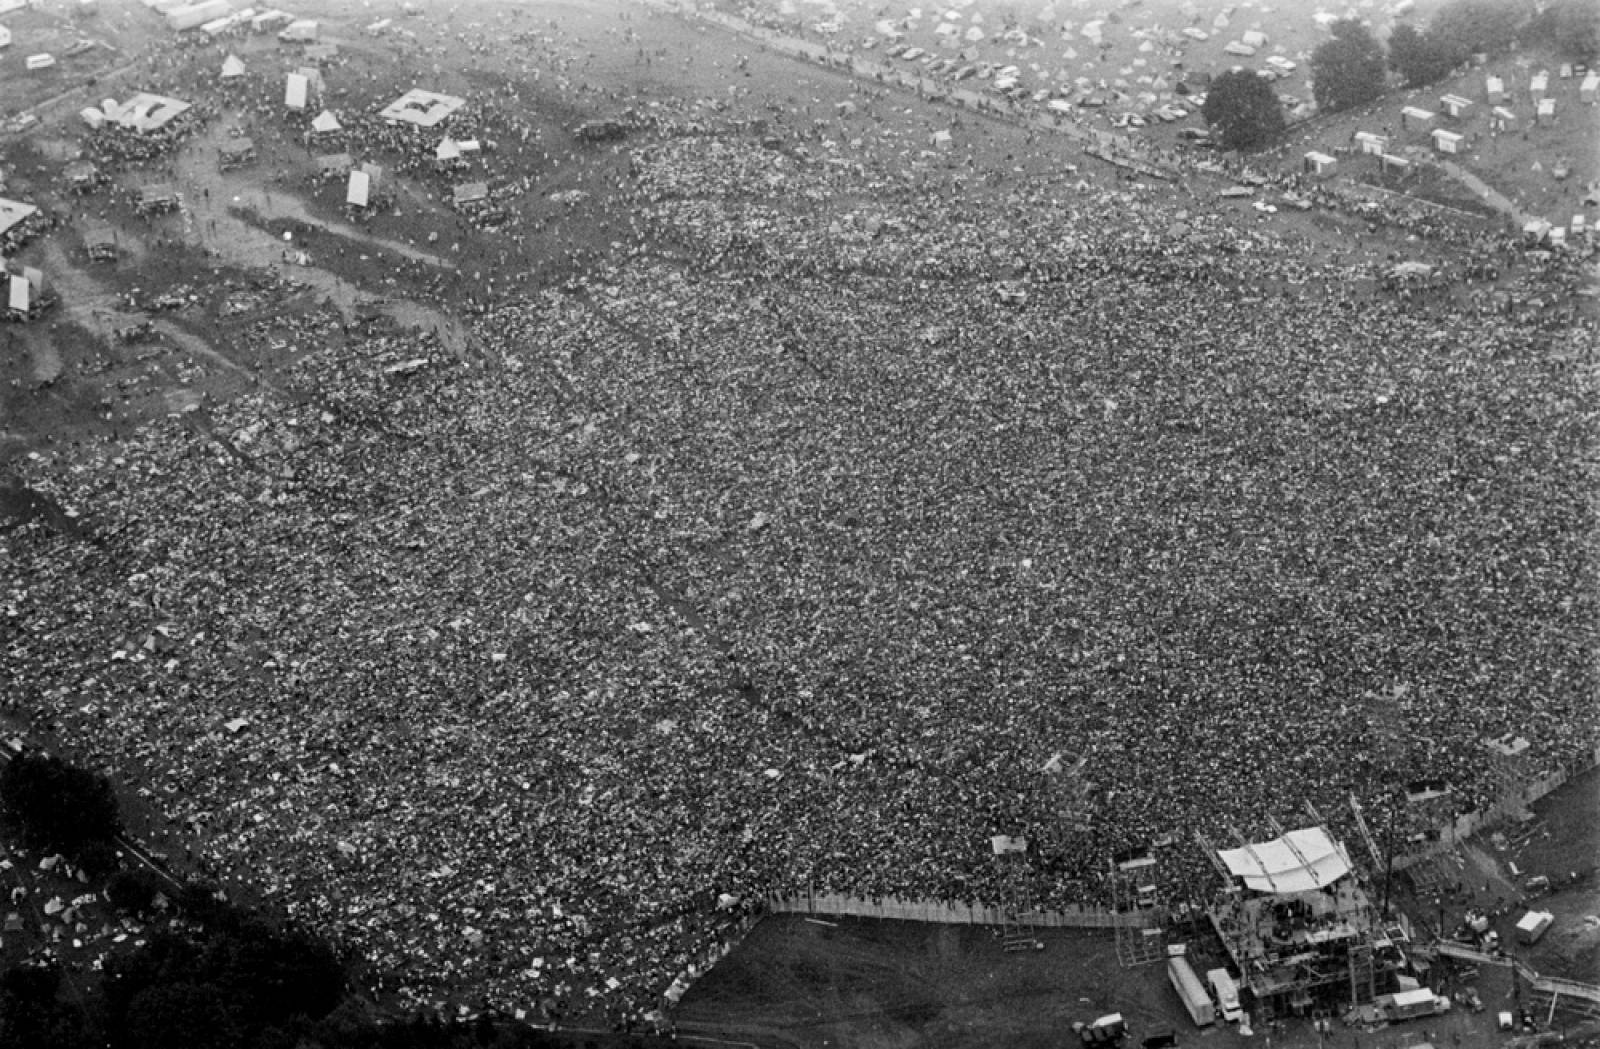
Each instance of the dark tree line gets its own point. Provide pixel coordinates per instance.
(222, 978)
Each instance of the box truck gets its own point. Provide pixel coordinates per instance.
(1226, 992)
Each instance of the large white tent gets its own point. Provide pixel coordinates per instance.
(1300, 861)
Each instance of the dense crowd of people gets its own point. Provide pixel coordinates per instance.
(788, 553)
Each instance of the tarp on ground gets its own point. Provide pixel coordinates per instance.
(422, 108)
(1300, 861)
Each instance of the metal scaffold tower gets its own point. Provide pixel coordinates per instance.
(1019, 929)
(1141, 937)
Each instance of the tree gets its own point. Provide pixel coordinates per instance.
(59, 806)
(1348, 70)
(1570, 27)
(1417, 56)
(1243, 110)
(1463, 28)
(193, 1015)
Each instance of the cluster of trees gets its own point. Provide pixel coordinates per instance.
(1351, 68)
(218, 977)
(58, 807)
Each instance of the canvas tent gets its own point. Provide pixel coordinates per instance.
(422, 108)
(1299, 861)
(144, 112)
(326, 124)
(470, 194)
(159, 196)
(100, 241)
(447, 152)
(232, 67)
(334, 165)
(237, 151)
(295, 92)
(358, 192)
(14, 213)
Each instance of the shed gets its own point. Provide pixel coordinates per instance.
(1539, 85)
(1454, 105)
(1446, 141)
(1319, 163)
(1371, 142)
(1533, 925)
(1546, 110)
(1411, 116)
(1390, 162)
(1495, 90)
(1589, 90)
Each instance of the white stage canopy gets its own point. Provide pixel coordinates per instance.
(1300, 861)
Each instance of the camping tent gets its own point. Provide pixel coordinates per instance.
(232, 67)
(326, 124)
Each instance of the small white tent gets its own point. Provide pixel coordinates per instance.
(232, 67)
(359, 190)
(326, 123)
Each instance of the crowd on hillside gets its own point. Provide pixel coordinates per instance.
(532, 673)
(802, 563)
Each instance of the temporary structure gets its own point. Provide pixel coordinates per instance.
(232, 67)
(422, 108)
(296, 90)
(1371, 142)
(1454, 105)
(145, 112)
(470, 194)
(1412, 116)
(334, 165)
(156, 197)
(326, 124)
(236, 151)
(1533, 925)
(1320, 163)
(1446, 141)
(359, 189)
(1495, 89)
(300, 31)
